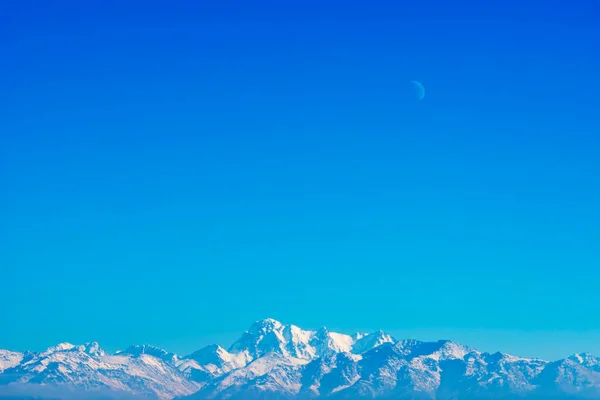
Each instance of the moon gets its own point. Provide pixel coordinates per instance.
(419, 88)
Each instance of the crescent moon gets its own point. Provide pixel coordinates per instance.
(420, 89)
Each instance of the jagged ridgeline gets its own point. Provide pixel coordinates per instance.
(276, 361)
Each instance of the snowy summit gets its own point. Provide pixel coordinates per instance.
(273, 360)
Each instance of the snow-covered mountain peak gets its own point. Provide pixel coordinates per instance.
(408, 347)
(581, 357)
(359, 335)
(270, 335)
(369, 341)
(67, 368)
(261, 338)
(265, 326)
(505, 357)
(440, 350)
(276, 361)
(65, 346)
(588, 360)
(210, 350)
(91, 348)
(214, 354)
(141, 349)
(326, 342)
(210, 362)
(9, 359)
(452, 350)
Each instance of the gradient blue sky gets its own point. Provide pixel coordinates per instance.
(171, 173)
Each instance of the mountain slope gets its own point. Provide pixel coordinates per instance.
(269, 335)
(275, 361)
(9, 359)
(88, 367)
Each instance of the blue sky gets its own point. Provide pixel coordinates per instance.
(171, 173)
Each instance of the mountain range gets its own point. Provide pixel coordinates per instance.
(276, 361)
